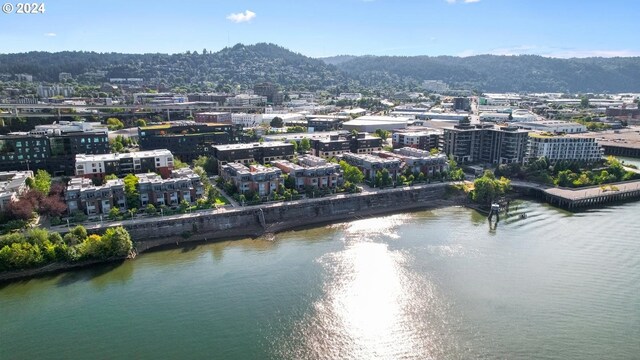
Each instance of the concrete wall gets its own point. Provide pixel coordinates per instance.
(257, 220)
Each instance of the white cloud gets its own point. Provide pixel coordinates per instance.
(50, 34)
(471, 1)
(246, 16)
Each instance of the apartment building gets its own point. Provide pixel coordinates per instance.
(424, 140)
(370, 164)
(213, 117)
(81, 195)
(183, 184)
(98, 166)
(246, 154)
(560, 147)
(486, 144)
(52, 147)
(256, 178)
(311, 171)
(423, 161)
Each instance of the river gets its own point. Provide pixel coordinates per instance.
(435, 284)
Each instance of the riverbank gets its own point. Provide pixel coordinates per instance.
(259, 220)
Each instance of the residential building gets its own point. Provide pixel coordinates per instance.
(213, 117)
(561, 147)
(98, 166)
(12, 185)
(370, 165)
(52, 147)
(485, 143)
(81, 195)
(55, 90)
(364, 143)
(187, 140)
(255, 178)
(183, 184)
(330, 147)
(423, 161)
(311, 171)
(425, 140)
(437, 86)
(253, 152)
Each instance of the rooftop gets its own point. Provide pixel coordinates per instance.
(118, 156)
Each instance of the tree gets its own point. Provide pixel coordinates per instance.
(150, 209)
(117, 241)
(131, 191)
(141, 123)
(295, 146)
(114, 124)
(277, 122)
(351, 173)
(178, 164)
(184, 206)
(114, 213)
(434, 151)
(42, 182)
(584, 102)
(305, 145)
(21, 209)
(110, 177)
(383, 134)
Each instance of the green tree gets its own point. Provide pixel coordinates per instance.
(351, 173)
(110, 177)
(131, 191)
(184, 206)
(277, 122)
(584, 102)
(114, 213)
(150, 209)
(178, 164)
(295, 146)
(383, 134)
(117, 241)
(42, 181)
(305, 145)
(141, 123)
(114, 124)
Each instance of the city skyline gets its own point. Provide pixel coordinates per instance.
(333, 27)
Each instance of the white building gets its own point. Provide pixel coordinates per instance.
(435, 86)
(247, 120)
(55, 90)
(371, 123)
(522, 115)
(494, 117)
(553, 126)
(12, 185)
(350, 96)
(557, 148)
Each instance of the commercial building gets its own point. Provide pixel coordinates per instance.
(425, 140)
(246, 120)
(270, 91)
(559, 147)
(98, 166)
(372, 123)
(55, 90)
(370, 165)
(486, 144)
(213, 117)
(245, 100)
(183, 184)
(253, 152)
(52, 147)
(81, 195)
(311, 171)
(12, 185)
(187, 140)
(553, 126)
(446, 116)
(324, 122)
(495, 117)
(461, 104)
(255, 178)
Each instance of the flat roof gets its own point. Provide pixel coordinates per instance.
(118, 156)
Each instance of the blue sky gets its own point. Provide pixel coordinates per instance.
(558, 28)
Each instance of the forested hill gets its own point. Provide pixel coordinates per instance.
(526, 73)
(246, 65)
(237, 65)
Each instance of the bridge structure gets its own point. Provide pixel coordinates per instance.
(582, 197)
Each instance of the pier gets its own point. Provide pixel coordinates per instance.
(582, 197)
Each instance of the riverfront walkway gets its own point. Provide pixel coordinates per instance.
(583, 197)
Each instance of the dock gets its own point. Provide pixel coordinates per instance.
(582, 197)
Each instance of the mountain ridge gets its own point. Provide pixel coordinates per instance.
(244, 65)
